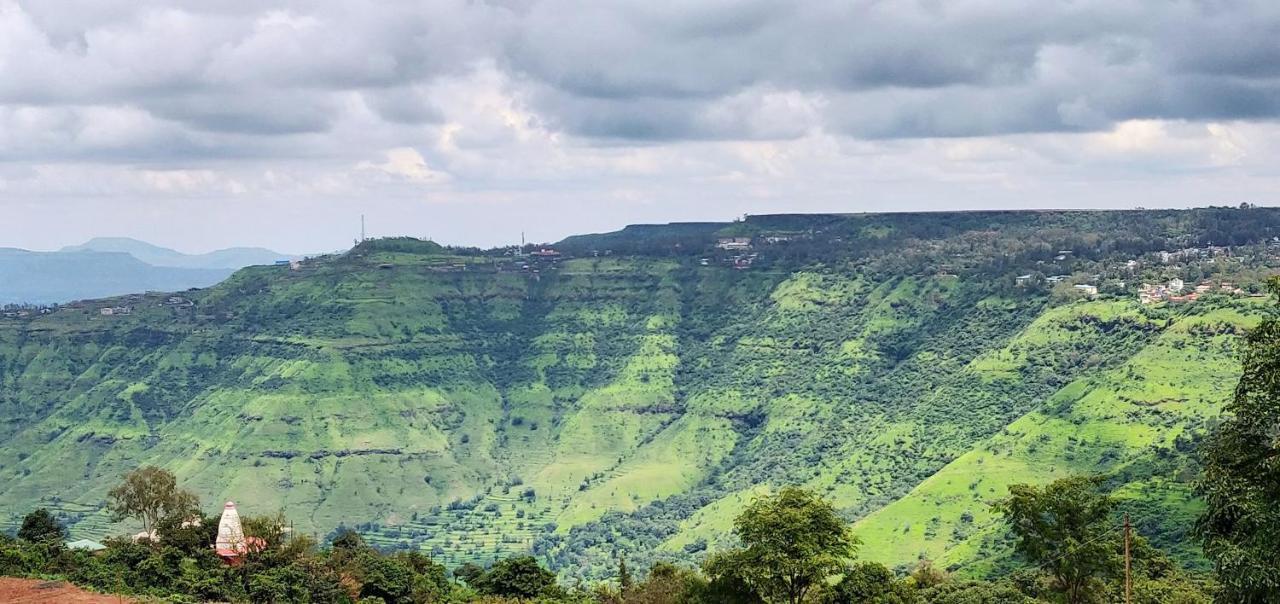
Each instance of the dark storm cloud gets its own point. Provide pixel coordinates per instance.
(654, 70)
(912, 69)
(651, 50)
(749, 116)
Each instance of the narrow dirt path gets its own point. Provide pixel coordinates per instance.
(29, 591)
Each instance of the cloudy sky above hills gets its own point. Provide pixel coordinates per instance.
(200, 124)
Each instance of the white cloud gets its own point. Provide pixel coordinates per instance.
(406, 163)
(481, 119)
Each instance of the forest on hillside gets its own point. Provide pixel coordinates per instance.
(629, 394)
(1074, 543)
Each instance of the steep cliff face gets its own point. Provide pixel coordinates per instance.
(472, 404)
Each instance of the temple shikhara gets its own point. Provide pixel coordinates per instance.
(231, 543)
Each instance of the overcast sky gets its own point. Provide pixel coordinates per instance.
(199, 124)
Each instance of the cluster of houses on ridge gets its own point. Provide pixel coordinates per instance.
(743, 260)
(1195, 261)
(1173, 291)
(1082, 288)
(532, 262)
(1192, 253)
(173, 301)
(23, 312)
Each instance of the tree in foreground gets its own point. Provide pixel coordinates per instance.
(1065, 529)
(865, 582)
(149, 494)
(665, 583)
(469, 573)
(792, 543)
(41, 527)
(517, 577)
(190, 533)
(1240, 527)
(347, 540)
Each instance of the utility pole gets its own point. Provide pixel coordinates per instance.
(1128, 575)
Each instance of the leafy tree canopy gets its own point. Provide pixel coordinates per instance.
(148, 494)
(41, 527)
(1240, 527)
(347, 539)
(1065, 529)
(791, 542)
(864, 582)
(517, 577)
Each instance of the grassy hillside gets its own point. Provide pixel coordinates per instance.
(633, 394)
(1133, 422)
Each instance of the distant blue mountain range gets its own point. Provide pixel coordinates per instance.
(110, 266)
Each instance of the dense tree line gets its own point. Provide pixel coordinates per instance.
(792, 548)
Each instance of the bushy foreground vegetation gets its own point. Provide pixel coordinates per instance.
(793, 548)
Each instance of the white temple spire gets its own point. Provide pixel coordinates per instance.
(230, 535)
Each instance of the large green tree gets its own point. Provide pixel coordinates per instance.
(666, 583)
(517, 577)
(866, 582)
(149, 494)
(792, 542)
(41, 527)
(1240, 527)
(1065, 529)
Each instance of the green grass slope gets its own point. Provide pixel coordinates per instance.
(1132, 423)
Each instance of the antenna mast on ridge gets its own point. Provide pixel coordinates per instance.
(362, 228)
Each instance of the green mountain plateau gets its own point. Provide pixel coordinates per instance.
(629, 393)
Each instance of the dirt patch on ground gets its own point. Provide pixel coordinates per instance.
(27, 591)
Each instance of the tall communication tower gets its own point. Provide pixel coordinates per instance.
(362, 228)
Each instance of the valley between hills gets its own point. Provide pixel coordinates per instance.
(631, 391)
